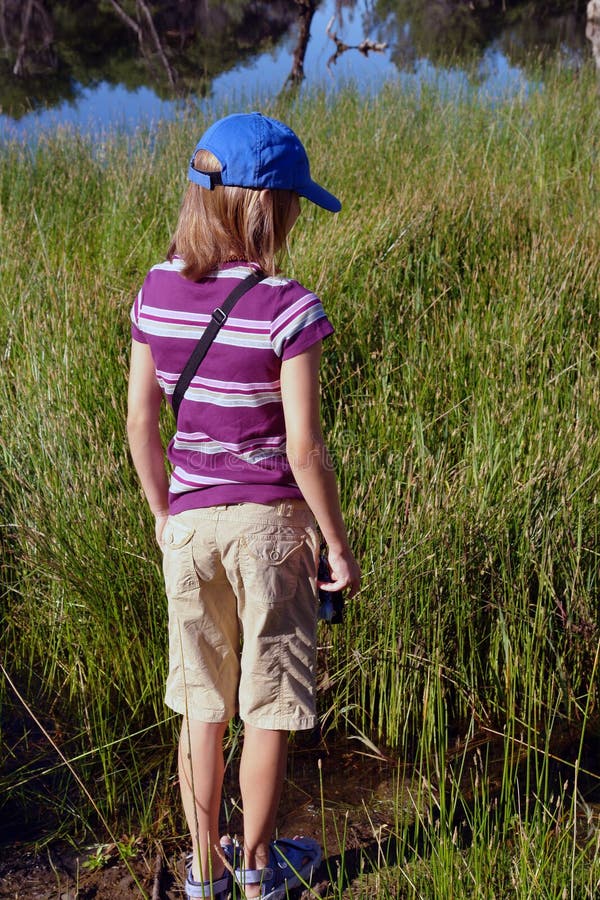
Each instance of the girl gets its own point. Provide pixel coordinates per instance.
(250, 474)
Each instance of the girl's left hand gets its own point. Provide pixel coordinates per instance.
(344, 570)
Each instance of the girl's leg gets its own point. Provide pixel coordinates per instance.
(201, 770)
(262, 770)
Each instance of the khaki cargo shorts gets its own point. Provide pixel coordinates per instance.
(241, 588)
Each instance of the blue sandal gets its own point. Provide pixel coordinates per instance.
(208, 890)
(291, 864)
(220, 888)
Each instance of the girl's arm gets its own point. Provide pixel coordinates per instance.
(147, 452)
(311, 465)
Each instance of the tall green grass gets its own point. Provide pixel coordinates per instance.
(460, 395)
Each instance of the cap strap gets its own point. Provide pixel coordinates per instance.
(206, 180)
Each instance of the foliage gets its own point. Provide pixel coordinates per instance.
(444, 31)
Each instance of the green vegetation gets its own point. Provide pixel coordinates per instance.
(461, 398)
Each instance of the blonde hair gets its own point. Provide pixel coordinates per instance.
(229, 223)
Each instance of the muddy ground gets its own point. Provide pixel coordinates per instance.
(354, 810)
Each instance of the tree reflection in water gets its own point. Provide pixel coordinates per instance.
(50, 49)
(445, 31)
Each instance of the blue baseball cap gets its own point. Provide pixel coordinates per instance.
(256, 151)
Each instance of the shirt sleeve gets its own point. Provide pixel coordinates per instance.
(136, 332)
(299, 321)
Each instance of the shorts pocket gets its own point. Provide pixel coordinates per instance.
(178, 558)
(270, 565)
(272, 550)
(176, 534)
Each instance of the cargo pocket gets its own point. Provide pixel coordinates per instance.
(270, 565)
(178, 558)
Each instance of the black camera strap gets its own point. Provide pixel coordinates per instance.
(218, 319)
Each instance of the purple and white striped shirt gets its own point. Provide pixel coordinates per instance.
(230, 442)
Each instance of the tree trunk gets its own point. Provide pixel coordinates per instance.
(306, 11)
(592, 29)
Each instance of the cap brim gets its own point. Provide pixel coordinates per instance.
(316, 194)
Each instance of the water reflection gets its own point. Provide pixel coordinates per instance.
(116, 56)
(445, 31)
(52, 50)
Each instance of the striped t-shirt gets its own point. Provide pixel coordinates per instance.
(230, 442)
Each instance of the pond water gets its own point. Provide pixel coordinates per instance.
(417, 52)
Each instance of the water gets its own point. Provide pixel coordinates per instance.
(408, 59)
(107, 106)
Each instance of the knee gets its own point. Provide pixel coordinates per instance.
(201, 732)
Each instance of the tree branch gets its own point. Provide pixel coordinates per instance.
(25, 21)
(131, 23)
(157, 42)
(365, 47)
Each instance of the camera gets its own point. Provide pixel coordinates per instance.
(331, 603)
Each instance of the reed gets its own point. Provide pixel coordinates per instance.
(461, 397)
